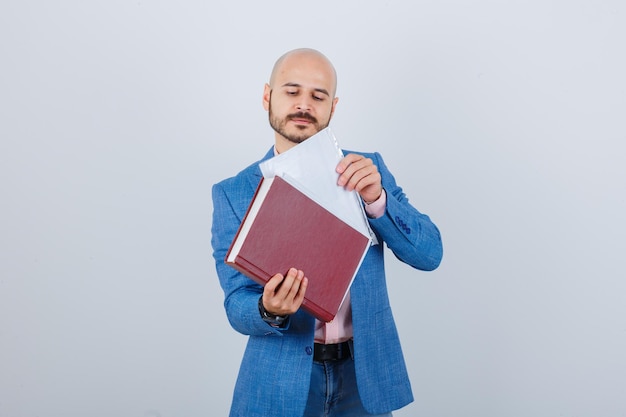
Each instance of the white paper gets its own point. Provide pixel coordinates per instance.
(311, 164)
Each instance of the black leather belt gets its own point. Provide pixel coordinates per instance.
(331, 352)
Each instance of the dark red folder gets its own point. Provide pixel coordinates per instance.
(284, 228)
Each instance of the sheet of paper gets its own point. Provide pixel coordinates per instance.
(312, 164)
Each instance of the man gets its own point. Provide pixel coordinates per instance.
(295, 365)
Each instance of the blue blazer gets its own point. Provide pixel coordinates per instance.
(275, 372)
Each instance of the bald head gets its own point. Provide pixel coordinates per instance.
(300, 97)
(307, 59)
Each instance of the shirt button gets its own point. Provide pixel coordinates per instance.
(308, 350)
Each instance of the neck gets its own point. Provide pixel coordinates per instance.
(282, 145)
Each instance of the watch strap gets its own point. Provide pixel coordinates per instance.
(270, 318)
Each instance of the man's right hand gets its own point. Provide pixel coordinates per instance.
(284, 295)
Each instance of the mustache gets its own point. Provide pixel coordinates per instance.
(302, 115)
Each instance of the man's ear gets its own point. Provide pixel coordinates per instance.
(267, 93)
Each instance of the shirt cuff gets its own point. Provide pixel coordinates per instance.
(377, 208)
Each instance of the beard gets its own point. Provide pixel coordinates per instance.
(280, 125)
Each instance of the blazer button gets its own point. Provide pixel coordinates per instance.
(308, 350)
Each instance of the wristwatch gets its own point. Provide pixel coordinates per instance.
(272, 319)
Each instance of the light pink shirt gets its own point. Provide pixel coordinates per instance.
(340, 329)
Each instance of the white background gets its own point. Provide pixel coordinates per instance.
(505, 121)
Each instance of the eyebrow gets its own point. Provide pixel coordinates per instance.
(319, 90)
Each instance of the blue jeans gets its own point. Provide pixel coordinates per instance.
(333, 391)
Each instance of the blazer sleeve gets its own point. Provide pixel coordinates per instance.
(411, 235)
(230, 202)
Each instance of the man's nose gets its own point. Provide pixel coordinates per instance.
(304, 104)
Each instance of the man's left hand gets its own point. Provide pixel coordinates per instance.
(359, 173)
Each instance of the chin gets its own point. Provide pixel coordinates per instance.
(299, 137)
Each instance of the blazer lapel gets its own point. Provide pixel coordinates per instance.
(255, 175)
